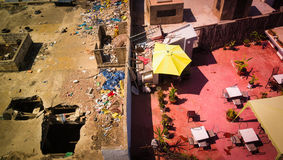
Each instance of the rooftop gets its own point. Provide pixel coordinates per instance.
(202, 93)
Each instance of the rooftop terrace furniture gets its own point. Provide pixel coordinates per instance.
(211, 133)
(234, 92)
(225, 95)
(236, 140)
(278, 78)
(251, 147)
(274, 72)
(191, 114)
(249, 135)
(245, 95)
(192, 142)
(203, 144)
(237, 102)
(199, 133)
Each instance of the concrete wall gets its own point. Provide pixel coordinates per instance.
(217, 35)
(120, 53)
(232, 9)
(152, 11)
(18, 60)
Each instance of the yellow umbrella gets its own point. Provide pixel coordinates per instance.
(169, 59)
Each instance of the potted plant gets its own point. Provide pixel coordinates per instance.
(161, 101)
(263, 95)
(247, 43)
(160, 137)
(252, 81)
(172, 95)
(232, 46)
(242, 66)
(257, 37)
(231, 114)
(166, 121)
(225, 46)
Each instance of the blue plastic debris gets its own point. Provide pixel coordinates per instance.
(112, 79)
(84, 24)
(118, 3)
(116, 19)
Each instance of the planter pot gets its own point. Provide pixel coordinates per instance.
(173, 101)
(229, 119)
(250, 86)
(247, 45)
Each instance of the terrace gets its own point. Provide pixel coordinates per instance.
(210, 74)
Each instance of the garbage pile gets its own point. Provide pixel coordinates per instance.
(107, 12)
(111, 94)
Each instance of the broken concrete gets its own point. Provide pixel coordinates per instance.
(16, 61)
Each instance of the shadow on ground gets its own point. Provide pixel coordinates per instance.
(30, 57)
(194, 84)
(189, 16)
(202, 57)
(142, 128)
(254, 11)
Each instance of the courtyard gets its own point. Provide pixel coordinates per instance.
(202, 92)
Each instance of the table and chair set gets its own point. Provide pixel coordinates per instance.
(248, 138)
(235, 95)
(202, 138)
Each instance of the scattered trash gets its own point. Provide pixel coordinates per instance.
(39, 70)
(64, 30)
(44, 81)
(52, 43)
(37, 12)
(75, 81)
(89, 92)
(70, 94)
(91, 58)
(28, 29)
(29, 71)
(113, 79)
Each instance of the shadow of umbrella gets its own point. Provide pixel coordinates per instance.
(194, 84)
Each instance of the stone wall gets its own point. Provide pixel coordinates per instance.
(17, 61)
(217, 35)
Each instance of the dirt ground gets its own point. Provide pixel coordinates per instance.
(63, 58)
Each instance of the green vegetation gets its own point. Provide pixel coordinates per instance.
(257, 38)
(242, 66)
(247, 43)
(231, 114)
(161, 101)
(252, 81)
(263, 94)
(172, 95)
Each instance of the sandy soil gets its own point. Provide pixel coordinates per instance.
(51, 77)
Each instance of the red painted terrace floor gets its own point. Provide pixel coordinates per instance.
(202, 92)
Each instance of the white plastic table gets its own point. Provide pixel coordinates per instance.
(199, 133)
(233, 92)
(278, 78)
(248, 135)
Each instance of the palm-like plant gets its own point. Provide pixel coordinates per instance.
(172, 95)
(252, 81)
(242, 65)
(257, 37)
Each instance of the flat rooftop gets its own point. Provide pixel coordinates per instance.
(202, 93)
